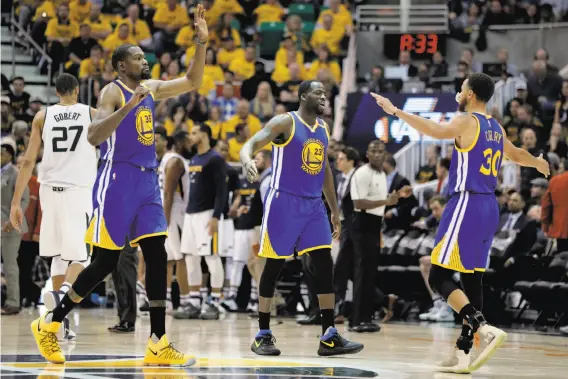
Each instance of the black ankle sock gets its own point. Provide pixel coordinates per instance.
(327, 319)
(264, 320)
(65, 306)
(158, 321)
(472, 316)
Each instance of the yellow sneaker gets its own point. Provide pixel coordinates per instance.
(163, 353)
(46, 339)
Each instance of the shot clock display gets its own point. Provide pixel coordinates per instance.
(420, 45)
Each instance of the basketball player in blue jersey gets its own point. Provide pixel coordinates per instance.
(470, 218)
(126, 195)
(295, 217)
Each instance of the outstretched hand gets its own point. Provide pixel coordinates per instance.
(201, 25)
(542, 166)
(384, 103)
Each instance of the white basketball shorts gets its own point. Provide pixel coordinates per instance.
(175, 229)
(244, 240)
(66, 213)
(226, 237)
(195, 238)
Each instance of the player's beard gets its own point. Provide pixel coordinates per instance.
(145, 75)
(462, 105)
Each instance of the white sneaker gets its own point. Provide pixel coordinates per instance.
(457, 364)
(169, 307)
(444, 314)
(491, 338)
(432, 311)
(252, 306)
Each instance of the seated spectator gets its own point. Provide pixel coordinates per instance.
(177, 120)
(229, 52)
(79, 10)
(208, 88)
(496, 16)
(80, 49)
(219, 7)
(327, 35)
(542, 55)
(227, 103)
(288, 53)
(529, 143)
(35, 106)
(7, 116)
(249, 87)
(160, 67)
(511, 121)
(196, 106)
(168, 20)
(140, 28)
(525, 119)
(468, 57)
(427, 172)
(503, 58)
(556, 143)
(270, 11)
(515, 219)
(100, 27)
(544, 88)
(293, 28)
(21, 135)
(243, 69)
(173, 71)
(533, 14)
(561, 110)
(59, 33)
(341, 17)
(404, 61)
(378, 83)
(243, 116)
(538, 189)
(107, 76)
(331, 91)
(19, 98)
(502, 200)
(467, 20)
(280, 109)
(292, 70)
(289, 93)
(518, 12)
(92, 66)
(212, 69)
(121, 36)
(185, 37)
(214, 122)
(236, 143)
(263, 105)
(223, 30)
(323, 62)
(460, 75)
(442, 172)
(438, 67)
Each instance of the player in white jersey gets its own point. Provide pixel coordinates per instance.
(66, 174)
(173, 174)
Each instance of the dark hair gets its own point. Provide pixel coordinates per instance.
(214, 55)
(440, 199)
(305, 87)
(240, 127)
(161, 131)
(179, 135)
(174, 109)
(18, 78)
(445, 163)
(351, 154)
(482, 86)
(66, 84)
(267, 154)
(562, 97)
(120, 54)
(390, 160)
(96, 47)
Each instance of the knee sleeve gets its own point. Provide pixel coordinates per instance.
(193, 265)
(473, 287)
(323, 267)
(269, 276)
(237, 273)
(58, 266)
(216, 273)
(442, 281)
(156, 258)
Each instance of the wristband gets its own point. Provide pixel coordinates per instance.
(202, 43)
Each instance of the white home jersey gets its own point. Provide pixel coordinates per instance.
(182, 190)
(69, 160)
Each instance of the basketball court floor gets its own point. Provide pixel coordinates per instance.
(223, 351)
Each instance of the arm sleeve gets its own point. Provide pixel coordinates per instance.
(358, 185)
(264, 187)
(220, 178)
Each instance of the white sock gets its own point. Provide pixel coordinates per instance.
(195, 299)
(253, 291)
(184, 300)
(215, 297)
(204, 293)
(65, 287)
(169, 294)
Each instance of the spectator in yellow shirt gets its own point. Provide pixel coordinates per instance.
(226, 6)
(92, 66)
(46, 10)
(294, 29)
(178, 120)
(159, 68)
(244, 68)
(214, 121)
(284, 54)
(59, 33)
(270, 11)
(79, 10)
(283, 74)
(100, 28)
(229, 52)
(212, 69)
(120, 36)
(224, 29)
(185, 37)
(323, 62)
(139, 27)
(327, 36)
(173, 71)
(341, 16)
(243, 116)
(169, 19)
(242, 134)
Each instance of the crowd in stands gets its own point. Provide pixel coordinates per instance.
(250, 76)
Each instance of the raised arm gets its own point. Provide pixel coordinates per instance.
(523, 157)
(106, 119)
(174, 170)
(194, 76)
(26, 169)
(278, 126)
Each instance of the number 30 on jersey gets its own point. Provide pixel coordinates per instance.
(491, 166)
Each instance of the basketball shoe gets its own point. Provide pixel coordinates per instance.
(51, 299)
(45, 335)
(264, 343)
(163, 353)
(331, 343)
(458, 363)
(490, 339)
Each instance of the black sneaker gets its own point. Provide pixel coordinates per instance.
(264, 345)
(333, 344)
(145, 307)
(122, 327)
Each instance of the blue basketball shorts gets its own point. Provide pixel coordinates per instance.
(465, 233)
(126, 202)
(293, 223)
